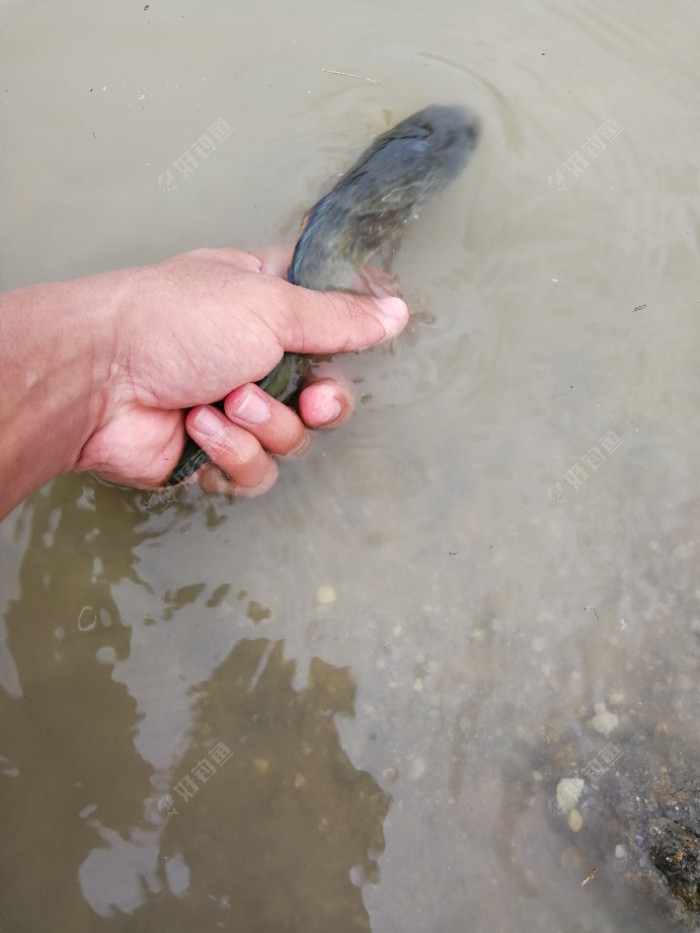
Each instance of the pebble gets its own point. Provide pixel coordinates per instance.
(604, 721)
(325, 595)
(575, 820)
(416, 769)
(569, 791)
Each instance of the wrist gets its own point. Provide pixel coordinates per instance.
(56, 365)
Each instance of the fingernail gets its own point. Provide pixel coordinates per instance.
(301, 448)
(248, 406)
(393, 308)
(395, 315)
(334, 413)
(206, 422)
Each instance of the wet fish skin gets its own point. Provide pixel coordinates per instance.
(371, 204)
(367, 208)
(380, 194)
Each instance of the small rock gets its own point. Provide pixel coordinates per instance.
(325, 595)
(575, 820)
(604, 721)
(569, 791)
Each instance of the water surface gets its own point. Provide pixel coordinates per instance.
(326, 709)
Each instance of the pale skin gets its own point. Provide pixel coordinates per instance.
(98, 373)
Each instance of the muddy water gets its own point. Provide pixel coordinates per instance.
(327, 709)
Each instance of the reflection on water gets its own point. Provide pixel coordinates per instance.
(264, 817)
(67, 725)
(306, 826)
(441, 599)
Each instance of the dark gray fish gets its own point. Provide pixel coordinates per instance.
(368, 207)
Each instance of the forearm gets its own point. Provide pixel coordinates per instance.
(54, 362)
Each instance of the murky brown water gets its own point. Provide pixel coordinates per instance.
(321, 710)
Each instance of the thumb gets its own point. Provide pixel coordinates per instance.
(335, 322)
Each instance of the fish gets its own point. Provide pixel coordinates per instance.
(367, 209)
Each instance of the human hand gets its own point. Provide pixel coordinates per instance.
(207, 325)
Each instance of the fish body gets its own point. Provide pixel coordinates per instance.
(380, 194)
(367, 208)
